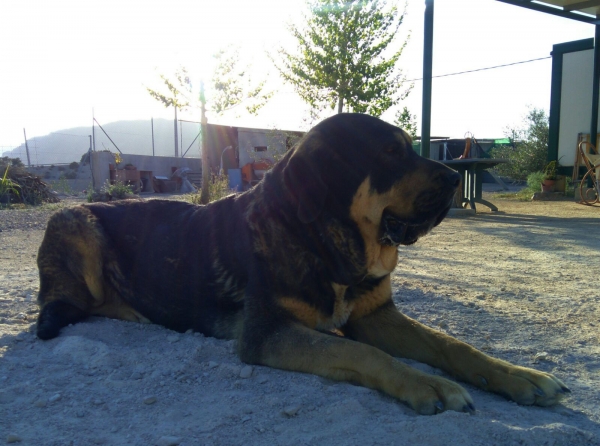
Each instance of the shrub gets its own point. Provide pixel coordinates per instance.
(218, 188)
(117, 190)
(70, 175)
(530, 150)
(74, 165)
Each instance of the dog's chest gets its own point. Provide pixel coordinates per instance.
(341, 310)
(381, 260)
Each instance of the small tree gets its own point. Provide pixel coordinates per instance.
(176, 96)
(341, 56)
(407, 122)
(529, 151)
(233, 86)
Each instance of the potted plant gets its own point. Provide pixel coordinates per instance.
(550, 174)
(7, 187)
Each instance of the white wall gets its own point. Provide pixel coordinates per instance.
(576, 102)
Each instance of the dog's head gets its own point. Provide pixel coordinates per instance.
(360, 167)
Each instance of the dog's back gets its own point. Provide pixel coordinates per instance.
(166, 262)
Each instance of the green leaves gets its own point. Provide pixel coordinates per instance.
(343, 56)
(530, 147)
(177, 91)
(233, 86)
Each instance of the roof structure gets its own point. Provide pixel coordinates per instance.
(587, 11)
(582, 10)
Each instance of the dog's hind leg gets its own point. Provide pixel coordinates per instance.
(70, 264)
(56, 315)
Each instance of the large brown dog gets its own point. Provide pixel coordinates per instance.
(310, 249)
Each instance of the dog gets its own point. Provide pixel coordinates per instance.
(297, 269)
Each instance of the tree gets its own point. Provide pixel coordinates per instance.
(407, 122)
(177, 95)
(529, 152)
(341, 58)
(233, 86)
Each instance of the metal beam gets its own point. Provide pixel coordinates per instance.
(581, 5)
(553, 10)
(427, 80)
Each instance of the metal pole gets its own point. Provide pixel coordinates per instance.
(91, 165)
(93, 131)
(27, 149)
(175, 125)
(427, 80)
(595, 88)
(181, 138)
(104, 131)
(152, 125)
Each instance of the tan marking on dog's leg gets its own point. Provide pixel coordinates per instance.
(371, 301)
(391, 331)
(299, 348)
(120, 310)
(303, 312)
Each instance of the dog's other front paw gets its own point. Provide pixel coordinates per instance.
(525, 386)
(430, 395)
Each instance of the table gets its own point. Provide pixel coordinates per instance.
(471, 171)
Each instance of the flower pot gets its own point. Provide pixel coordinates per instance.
(548, 185)
(561, 184)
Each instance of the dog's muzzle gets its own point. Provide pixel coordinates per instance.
(395, 231)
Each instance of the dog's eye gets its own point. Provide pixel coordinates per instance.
(391, 149)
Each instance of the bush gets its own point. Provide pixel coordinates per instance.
(530, 150)
(534, 181)
(218, 188)
(118, 190)
(70, 175)
(74, 165)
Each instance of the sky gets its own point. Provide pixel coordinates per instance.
(62, 60)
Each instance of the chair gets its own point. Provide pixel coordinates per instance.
(589, 196)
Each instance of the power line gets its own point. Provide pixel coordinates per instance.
(483, 69)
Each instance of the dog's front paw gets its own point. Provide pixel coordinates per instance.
(430, 395)
(525, 386)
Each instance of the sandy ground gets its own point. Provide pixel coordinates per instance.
(521, 284)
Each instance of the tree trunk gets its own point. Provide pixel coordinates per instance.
(340, 104)
(206, 174)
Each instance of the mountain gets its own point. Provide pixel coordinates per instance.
(133, 137)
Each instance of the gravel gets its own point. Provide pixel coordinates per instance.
(521, 285)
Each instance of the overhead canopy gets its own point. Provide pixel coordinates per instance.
(587, 11)
(582, 10)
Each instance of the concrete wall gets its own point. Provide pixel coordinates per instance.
(249, 139)
(158, 165)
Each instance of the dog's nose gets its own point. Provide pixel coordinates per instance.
(449, 178)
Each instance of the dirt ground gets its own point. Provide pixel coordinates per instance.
(521, 284)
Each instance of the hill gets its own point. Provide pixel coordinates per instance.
(133, 137)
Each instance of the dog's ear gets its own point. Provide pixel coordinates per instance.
(302, 177)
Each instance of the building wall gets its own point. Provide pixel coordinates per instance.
(571, 98)
(576, 102)
(158, 165)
